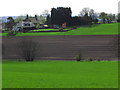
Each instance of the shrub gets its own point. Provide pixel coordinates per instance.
(98, 60)
(28, 49)
(90, 59)
(11, 33)
(61, 29)
(79, 57)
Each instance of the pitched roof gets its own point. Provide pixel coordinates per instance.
(31, 19)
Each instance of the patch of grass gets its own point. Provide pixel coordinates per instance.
(45, 30)
(102, 29)
(60, 74)
(11, 33)
(3, 34)
(38, 34)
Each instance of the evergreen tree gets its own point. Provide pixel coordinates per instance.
(60, 15)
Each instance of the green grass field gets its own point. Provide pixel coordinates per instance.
(45, 30)
(102, 29)
(60, 74)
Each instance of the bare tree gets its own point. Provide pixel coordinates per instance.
(88, 12)
(93, 14)
(10, 23)
(45, 13)
(84, 12)
(41, 19)
(28, 49)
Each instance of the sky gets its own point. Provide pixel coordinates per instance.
(32, 7)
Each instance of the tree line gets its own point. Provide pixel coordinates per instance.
(87, 16)
(61, 15)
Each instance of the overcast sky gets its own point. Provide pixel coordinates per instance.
(32, 7)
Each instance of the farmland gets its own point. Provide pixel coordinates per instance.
(102, 29)
(64, 47)
(63, 74)
(60, 74)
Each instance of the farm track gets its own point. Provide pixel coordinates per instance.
(64, 47)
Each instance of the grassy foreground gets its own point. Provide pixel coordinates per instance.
(60, 74)
(102, 29)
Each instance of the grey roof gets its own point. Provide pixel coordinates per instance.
(32, 19)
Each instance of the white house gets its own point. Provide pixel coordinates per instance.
(29, 23)
(22, 25)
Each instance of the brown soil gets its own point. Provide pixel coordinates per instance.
(64, 47)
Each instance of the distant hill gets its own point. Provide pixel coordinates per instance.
(4, 18)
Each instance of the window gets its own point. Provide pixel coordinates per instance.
(26, 24)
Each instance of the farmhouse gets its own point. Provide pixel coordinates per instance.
(27, 24)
